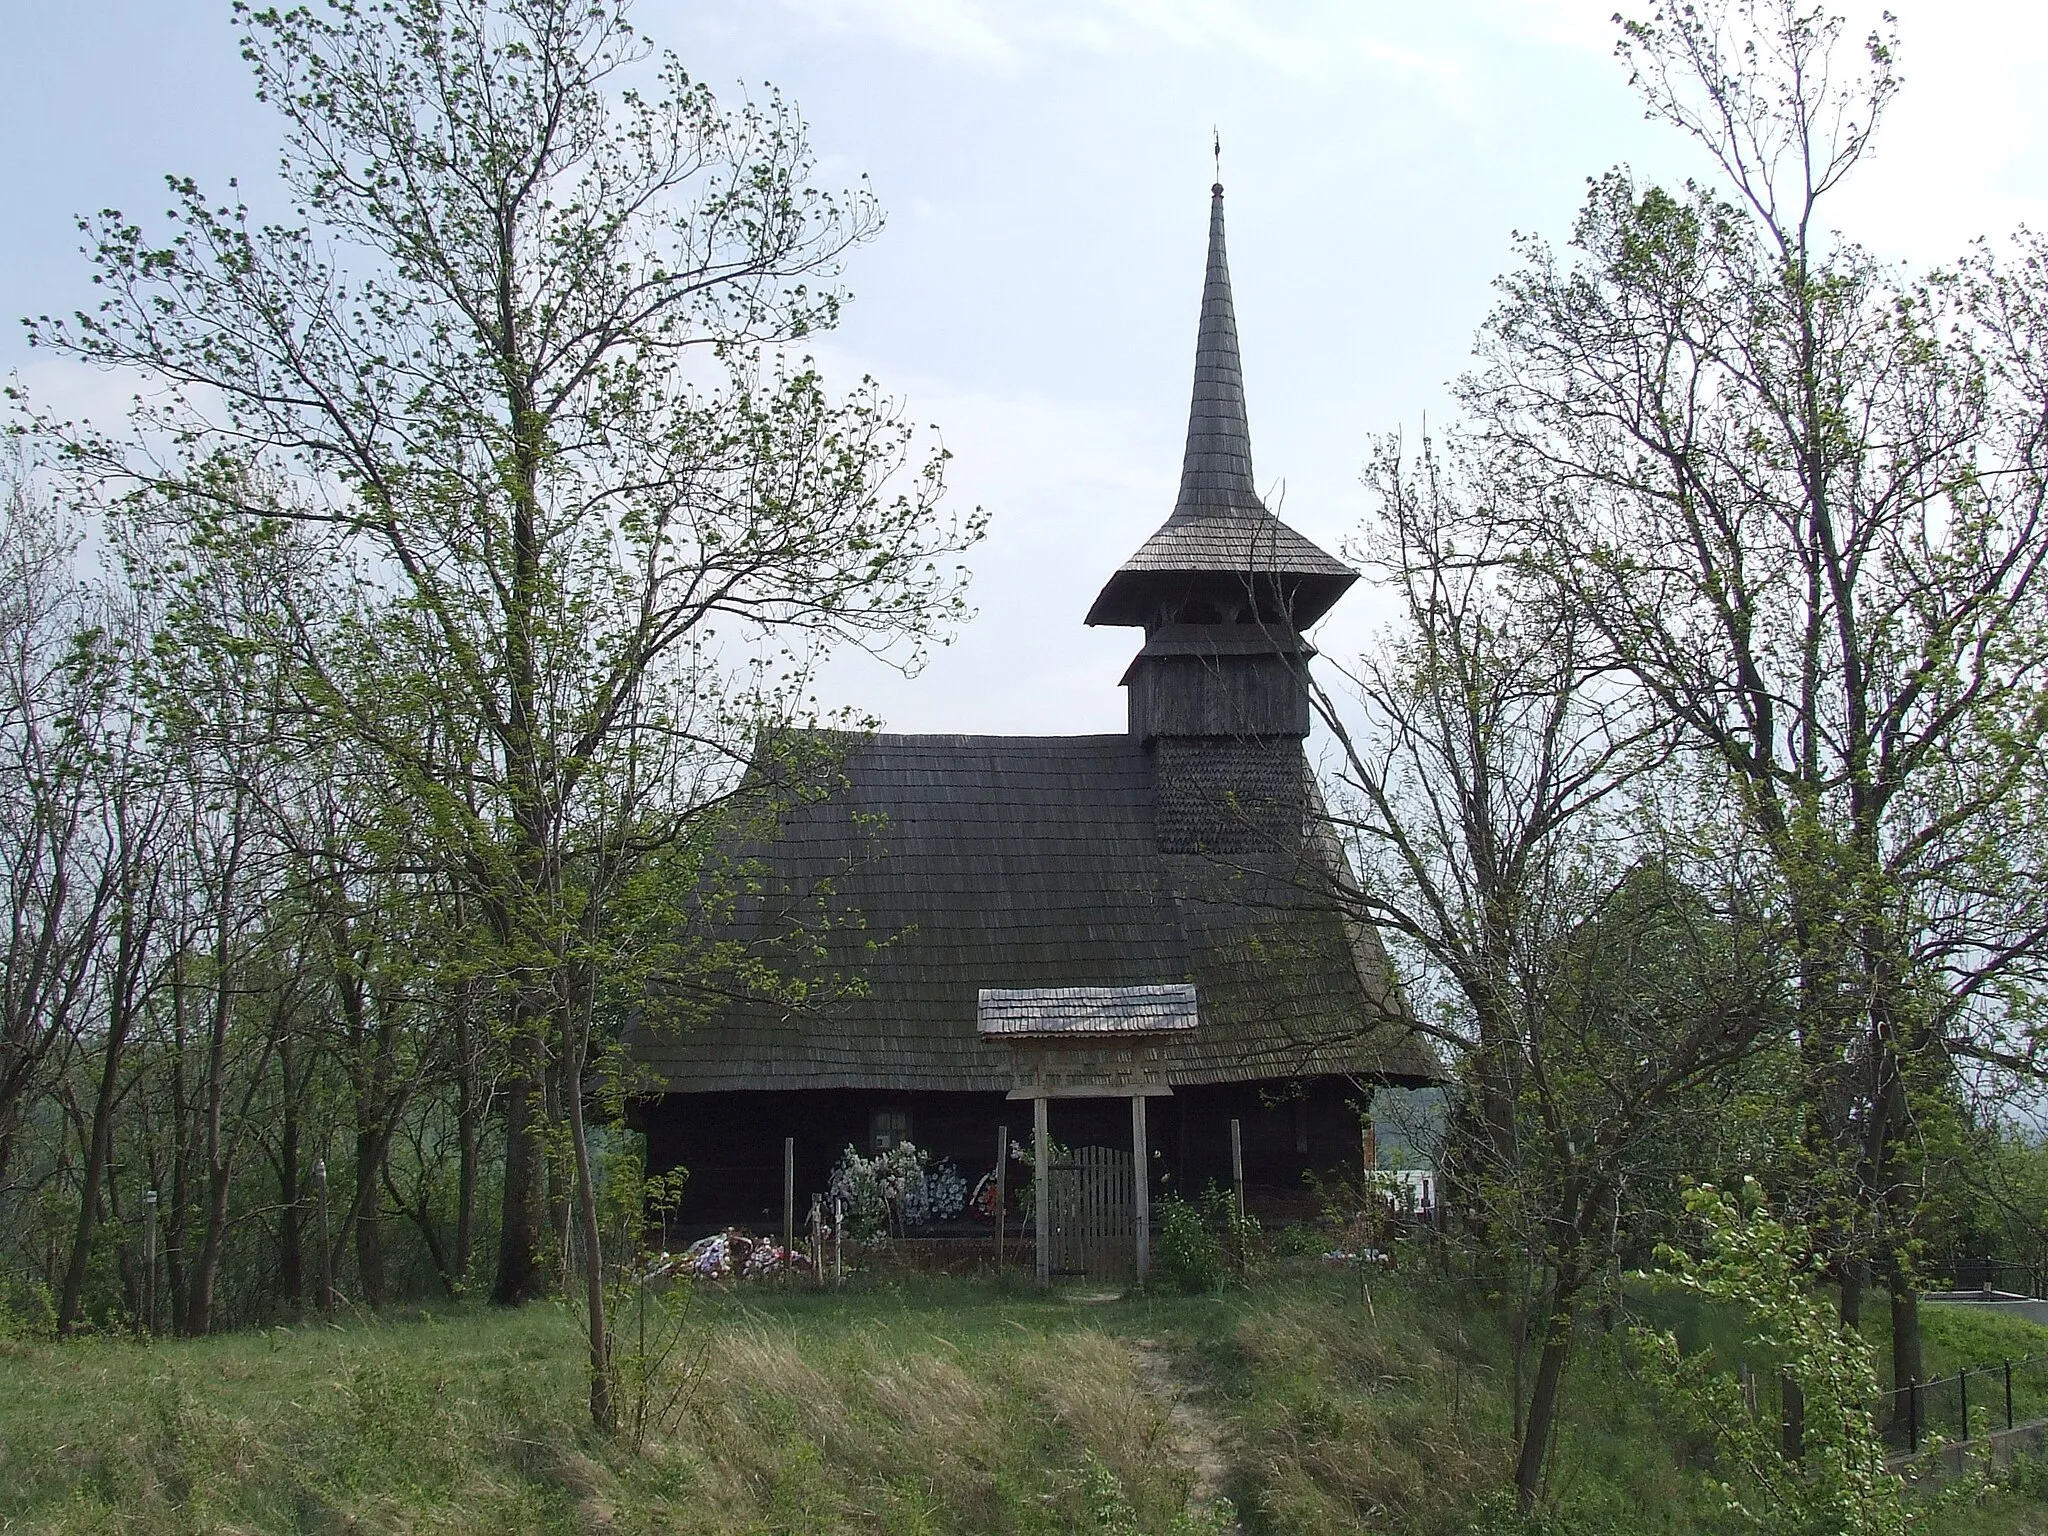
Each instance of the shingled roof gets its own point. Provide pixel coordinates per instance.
(943, 865)
(1065, 1013)
(1219, 527)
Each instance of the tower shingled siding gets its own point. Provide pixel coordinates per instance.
(1241, 799)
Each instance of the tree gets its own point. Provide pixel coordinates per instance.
(134, 816)
(1798, 495)
(1487, 737)
(80, 818)
(1833, 1476)
(1586, 969)
(53, 723)
(521, 374)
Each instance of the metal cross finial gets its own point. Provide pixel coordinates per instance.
(1216, 135)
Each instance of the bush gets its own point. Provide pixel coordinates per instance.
(1201, 1241)
(1766, 1271)
(1190, 1256)
(26, 1311)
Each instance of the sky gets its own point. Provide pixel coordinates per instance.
(1045, 166)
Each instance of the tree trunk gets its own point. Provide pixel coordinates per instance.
(422, 1217)
(469, 1108)
(291, 1200)
(1543, 1399)
(206, 1272)
(369, 1217)
(124, 1257)
(603, 1411)
(177, 1227)
(99, 1148)
(470, 1159)
(1906, 1362)
(176, 1210)
(1855, 1273)
(561, 1181)
(521, 1232)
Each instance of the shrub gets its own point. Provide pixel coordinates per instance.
(26, 1311)
(1766, 1270)
(1201, 1239)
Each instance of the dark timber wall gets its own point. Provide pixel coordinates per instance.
(731, 1143)
(1217, 695)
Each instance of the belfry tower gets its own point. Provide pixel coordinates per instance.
(1223, 591)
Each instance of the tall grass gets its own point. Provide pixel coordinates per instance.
(915, 1407)
(885, 1414)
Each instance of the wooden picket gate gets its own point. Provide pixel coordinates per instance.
(1093, 1230)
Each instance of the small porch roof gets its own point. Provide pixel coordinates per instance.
(1063, 1013)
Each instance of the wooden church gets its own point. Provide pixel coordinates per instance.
(1182, 852)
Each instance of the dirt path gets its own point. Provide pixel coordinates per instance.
(1196, 1438)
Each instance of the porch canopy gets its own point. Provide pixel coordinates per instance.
(1088, 1042)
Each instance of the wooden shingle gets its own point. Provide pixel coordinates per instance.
(947, 864)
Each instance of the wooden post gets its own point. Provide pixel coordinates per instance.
(1002, 1191)
(1041, 1187)
(1237, 1165)
(148, 1270)
(326, 1253)
(1141, 1187)
(788, 1197)
(1792, 1403)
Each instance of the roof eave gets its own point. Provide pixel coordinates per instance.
(1131, 597)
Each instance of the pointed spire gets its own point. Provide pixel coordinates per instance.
(1221, 551)
(1217, 470)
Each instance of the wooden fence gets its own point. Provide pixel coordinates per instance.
(1093, 1229)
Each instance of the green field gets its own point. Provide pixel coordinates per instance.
(912, 1406)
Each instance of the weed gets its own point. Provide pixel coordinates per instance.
(1203, 1242)
(1189, 1255)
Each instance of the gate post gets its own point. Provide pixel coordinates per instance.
(788, 1200)
(1141, 1187)
(1041, 1187)
(1237, 1168)
(1002, 1163)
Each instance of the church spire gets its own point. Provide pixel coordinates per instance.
(1221, 557)
(1217, 470)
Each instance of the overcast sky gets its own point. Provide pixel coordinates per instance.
(1045, 168)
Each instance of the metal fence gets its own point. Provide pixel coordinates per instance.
(1995, 1396)
(2014, 1279)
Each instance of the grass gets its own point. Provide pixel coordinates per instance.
(1952, 1337)
(922, 1408)
(928, 1406)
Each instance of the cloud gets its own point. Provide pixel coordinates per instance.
(963, 30)
(1325, 41)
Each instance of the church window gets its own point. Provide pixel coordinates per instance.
(888, 1129)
